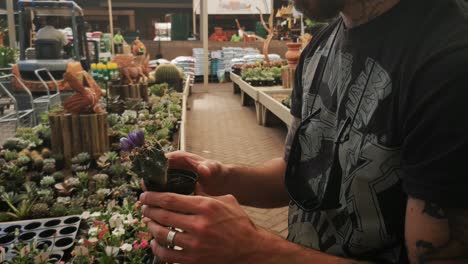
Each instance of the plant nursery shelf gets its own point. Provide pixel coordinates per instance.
(249, 92)
(271, 105)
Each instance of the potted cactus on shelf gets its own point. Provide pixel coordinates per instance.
(170, 74)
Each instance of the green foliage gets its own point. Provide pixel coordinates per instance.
(7, 56)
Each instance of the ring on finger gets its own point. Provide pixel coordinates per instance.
(170, 238)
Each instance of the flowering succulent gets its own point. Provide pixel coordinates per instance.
(148, 160)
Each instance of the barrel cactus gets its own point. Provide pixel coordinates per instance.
(39, 210)
(170, 74)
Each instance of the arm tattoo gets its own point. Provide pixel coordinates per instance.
(456, 247)
(290, 138)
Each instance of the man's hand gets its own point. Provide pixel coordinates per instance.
(211, 174)
(435, 234)
(216, 230)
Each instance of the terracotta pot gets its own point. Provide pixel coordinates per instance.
(293, 54)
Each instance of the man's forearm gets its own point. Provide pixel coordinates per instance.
(260, 186)
(272, 249)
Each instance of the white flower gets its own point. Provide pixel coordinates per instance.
(112, 251)
(85, 215)
(93, 231)
(118, 232)
(129, 219)
(81, 241)
(96, 214)
(93, 240)
(126, 247)
(117, 220)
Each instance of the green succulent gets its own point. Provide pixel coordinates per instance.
(163, 133)
(39, 210)
(81, 162)
(83, 177)
(15, 144)
(58, 210)
(49, 166)
(58, 176)
(75, 210)
(47, 181)
(10, 155)
(170, 74)
(24, 161)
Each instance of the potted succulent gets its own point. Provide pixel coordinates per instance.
(150, 163)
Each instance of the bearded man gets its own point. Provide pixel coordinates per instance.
(374, 161)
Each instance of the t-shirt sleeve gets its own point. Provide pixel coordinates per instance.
(435, 132)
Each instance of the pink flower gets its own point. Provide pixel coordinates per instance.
(136, 245)
(144, 244)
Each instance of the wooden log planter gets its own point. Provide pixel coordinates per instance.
(139, 91)
(74, 134)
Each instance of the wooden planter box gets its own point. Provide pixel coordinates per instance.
(74, 134)
(136, 91)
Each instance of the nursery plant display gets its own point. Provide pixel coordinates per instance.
(261, 74)
(170, 74)
(36, 184)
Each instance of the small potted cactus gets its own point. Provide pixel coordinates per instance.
(149, 162)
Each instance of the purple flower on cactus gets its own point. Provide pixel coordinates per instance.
(125, 144)
(135, 139)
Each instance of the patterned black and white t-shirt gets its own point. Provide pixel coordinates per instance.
(403, 80)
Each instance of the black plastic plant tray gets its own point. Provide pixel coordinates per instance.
(57, 233)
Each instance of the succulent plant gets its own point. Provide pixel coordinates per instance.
(15, 144)
(159, 89)
(47, 181)
(58, 176)
(35, 176)
(10, 155)
(24, 161)
(39, 210)
(75, 210)
(49, 166)
(59, 161)
(38, 163)
(148, 160)
(46, 153)
(107, 159)
(102, 180)
(93, 201)
(58, 210)
(84, 178)
(81, 162)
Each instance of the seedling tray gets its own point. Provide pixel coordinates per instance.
(58, 234)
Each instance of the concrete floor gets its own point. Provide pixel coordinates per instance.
(219, 128)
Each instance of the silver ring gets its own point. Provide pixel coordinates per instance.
(170, 238)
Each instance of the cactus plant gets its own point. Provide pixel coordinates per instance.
(170, 74)
(10, 155)
(24, 161)
(39, 210)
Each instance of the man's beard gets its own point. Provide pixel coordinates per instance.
(319, 10)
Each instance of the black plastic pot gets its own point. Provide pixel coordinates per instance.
(181, 181)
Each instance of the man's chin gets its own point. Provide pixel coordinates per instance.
(319, 10)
